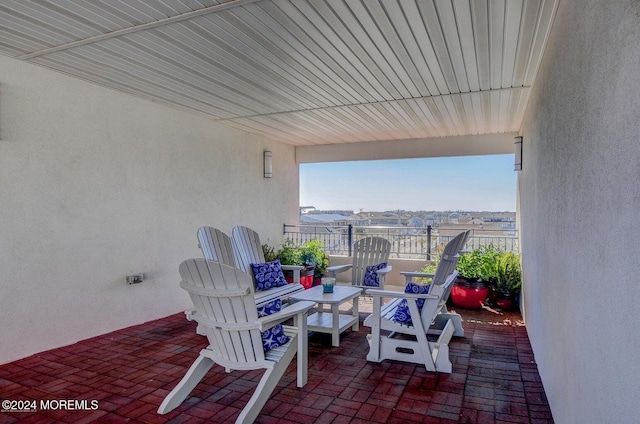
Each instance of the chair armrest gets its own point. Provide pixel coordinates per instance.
(382, 273)
(337, 269)
(409, 275)
(269, 321)
(292, 267)
(400, 295)
(417, 274)
(385, 271)
(296, 271)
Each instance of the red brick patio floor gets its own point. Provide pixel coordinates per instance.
(130, 371)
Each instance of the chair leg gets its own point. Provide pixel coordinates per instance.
(440, 349)
(335, 332)
(423, 350)
(190, 380)
(443, 364)
(374, 338)
(267, 383)
(442, 319)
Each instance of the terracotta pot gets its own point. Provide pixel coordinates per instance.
(469, 294)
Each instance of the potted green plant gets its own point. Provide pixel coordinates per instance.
(269, 253)
(311, 255)
(289, 253)
(506, 281)
(470, 289)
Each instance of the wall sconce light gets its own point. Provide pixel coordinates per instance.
(518, 151)
(268, 166)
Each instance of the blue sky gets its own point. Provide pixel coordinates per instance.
(476, 183)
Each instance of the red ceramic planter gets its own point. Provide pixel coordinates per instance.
(469, 297)
(506, 304)
(306, 281)
(306, 278)
(504, 300)
(288, 276)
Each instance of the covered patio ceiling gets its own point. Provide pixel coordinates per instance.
(297, 71)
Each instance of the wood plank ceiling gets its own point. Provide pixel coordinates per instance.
(301, 71)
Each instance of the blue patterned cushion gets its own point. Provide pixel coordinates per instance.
(402, 314)
(274, 336)
(371, 277)
(268, 275)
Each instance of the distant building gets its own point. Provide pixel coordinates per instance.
(417, 222)
(495, 222)
(325, 219)
(344, 212)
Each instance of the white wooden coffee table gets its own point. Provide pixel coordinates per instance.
(331, 322)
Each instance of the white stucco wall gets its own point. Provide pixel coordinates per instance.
(579, 196)
(95, 185)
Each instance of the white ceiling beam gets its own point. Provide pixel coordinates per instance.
(467, 145)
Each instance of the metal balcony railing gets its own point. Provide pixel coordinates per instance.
(407, 242)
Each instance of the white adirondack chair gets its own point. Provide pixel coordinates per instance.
(216, 245)
(433, 319)
(226, 309)
(247, 250)
(447, 264)
(368, 251)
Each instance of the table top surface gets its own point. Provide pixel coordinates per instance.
(340, 294)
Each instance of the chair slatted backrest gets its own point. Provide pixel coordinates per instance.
(216, 245)
(431, 309)
(367, 252)
(442, 280)
(226, 309)
(247, 248)
(450, 256)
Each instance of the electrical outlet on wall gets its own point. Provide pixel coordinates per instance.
(135, 278)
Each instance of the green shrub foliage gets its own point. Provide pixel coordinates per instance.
(500, 270)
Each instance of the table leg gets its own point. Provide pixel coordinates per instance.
(356, 326)
(300, 321)
(335, 333)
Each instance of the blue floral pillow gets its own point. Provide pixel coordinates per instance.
(402, 314)
(371, 277)
(268, 275)
(274, 336)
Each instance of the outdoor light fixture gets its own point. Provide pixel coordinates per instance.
(268, 166)
(518, 151)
